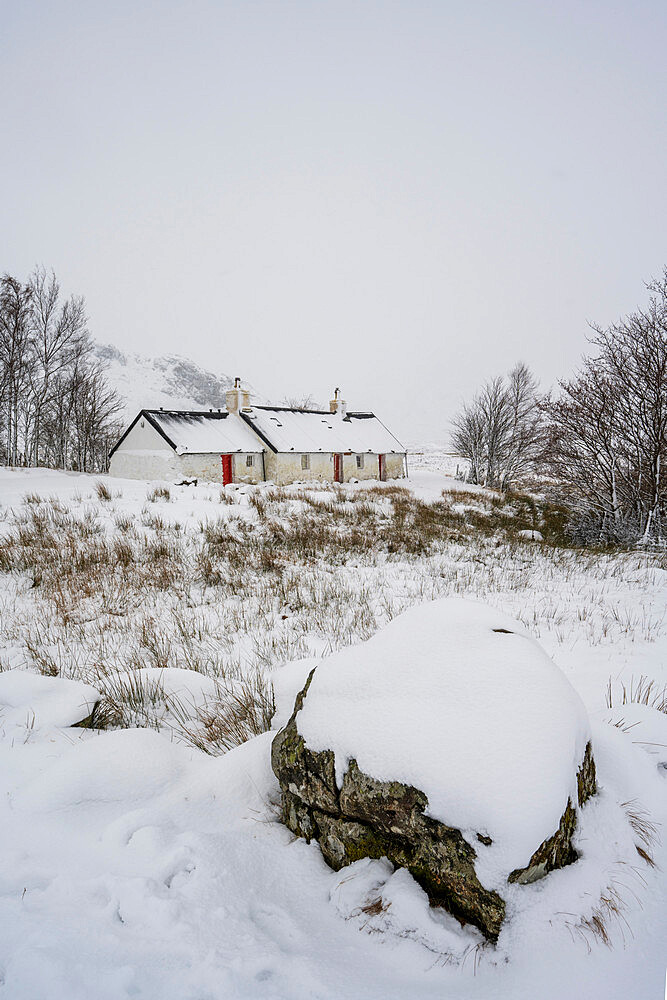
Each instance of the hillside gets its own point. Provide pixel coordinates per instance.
(171, 381)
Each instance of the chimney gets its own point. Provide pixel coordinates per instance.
(338, 405)
(232, 396)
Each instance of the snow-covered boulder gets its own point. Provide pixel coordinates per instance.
(35, 701)
(449, 743)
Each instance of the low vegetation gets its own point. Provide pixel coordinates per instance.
(98, 587)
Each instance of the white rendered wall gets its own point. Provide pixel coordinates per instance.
(209, 468)
(285, 468)
(144, 454)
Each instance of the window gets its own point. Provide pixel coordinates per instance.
(360, 461)
(305, 461)
(250, 460)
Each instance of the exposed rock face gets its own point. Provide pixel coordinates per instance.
(367, 818)
(557, 851)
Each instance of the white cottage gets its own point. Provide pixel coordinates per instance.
(251, 444)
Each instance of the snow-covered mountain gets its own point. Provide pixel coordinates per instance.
(171, 381)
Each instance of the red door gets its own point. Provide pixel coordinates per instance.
(226, 469)
(382, 464)
(338, 468)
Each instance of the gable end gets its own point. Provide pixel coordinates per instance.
(146, 415)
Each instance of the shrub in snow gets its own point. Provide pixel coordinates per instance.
(448, 743)
(530, 535)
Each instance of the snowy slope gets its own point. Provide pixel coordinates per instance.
(171, 381)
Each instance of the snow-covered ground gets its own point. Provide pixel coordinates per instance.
(135, 865)
(437, 457)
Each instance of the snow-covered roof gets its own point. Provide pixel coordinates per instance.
(285, 429)
(201, 433)
(190, 432)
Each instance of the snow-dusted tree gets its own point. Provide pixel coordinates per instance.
(501, 432)
(525, 437)
(60, 340)
(15, 364)
(56, 406)
(609, 427)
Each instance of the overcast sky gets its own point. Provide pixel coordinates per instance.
(400, 198)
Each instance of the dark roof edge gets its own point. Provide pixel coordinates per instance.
(321, 413)
(147, 415)
(294, 409)
(256, 430)
(211, 414)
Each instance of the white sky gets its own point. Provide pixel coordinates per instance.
(400, 198)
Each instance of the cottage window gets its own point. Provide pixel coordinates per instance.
(360, 461)
(305, 461)
(250, 460)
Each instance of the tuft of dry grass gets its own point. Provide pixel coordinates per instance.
(102, 491)
(645, 830)
(161, 492)
(241, 710)
(597, 926)
(640, 691)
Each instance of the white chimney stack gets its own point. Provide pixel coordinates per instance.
(338, 405)
(237, 398)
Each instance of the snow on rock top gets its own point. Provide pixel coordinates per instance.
(37, 701)
(455, 699)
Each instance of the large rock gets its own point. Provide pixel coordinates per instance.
(337, 788)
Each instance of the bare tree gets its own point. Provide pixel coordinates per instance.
(59, 337)
(501, 432)
(15, 361)
(305, 402)
(55, 404)
(609, 427)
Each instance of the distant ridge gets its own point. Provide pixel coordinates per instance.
(170, 381)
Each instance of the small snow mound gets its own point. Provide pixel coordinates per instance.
(457, 700)
(385, 900)
(646, 727)
(129, 765)
(530, 535)
(32, 700)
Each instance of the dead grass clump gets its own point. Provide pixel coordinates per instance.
(159, 493)
(123, 552)
(258, 503)
(644, 829)
(640, 691)
(102, 491)
(243, 709)
(125, 523)
(131, 699)
(608, 912)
